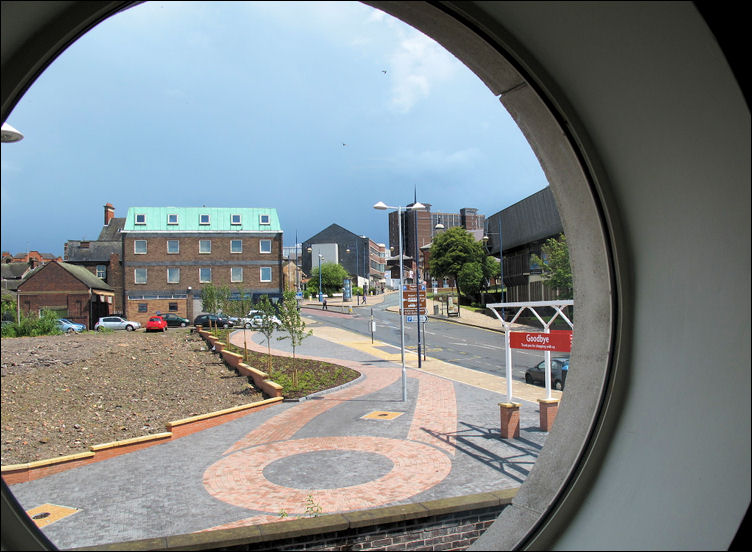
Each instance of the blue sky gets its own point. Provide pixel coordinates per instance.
(249, 104)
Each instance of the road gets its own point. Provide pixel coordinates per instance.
(467, 346)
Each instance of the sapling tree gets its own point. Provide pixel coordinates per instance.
(294, 326)
(266, 325)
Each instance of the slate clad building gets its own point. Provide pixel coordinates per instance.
(525, 226)
(171, 253)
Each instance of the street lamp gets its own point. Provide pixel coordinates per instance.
(320, 257)
(501, 262)
(381, 206)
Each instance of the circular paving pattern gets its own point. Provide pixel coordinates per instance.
(327, 469)
(238, 478)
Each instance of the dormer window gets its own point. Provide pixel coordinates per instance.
(235, 219)
(140, 218)
(264, 219)
(203, 219)
(172, 218)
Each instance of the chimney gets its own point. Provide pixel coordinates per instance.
(109, 213)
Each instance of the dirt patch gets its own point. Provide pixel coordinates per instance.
(62, 394)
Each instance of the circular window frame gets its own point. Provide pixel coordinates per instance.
(560, 477)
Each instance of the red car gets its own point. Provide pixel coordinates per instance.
(157, 324)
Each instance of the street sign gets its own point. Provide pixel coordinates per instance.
(557, 340)
(414, 318)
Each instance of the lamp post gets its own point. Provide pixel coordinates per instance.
(381, 206)
(501, 263)
(310, 250)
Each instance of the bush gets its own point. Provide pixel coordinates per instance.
(31, 326)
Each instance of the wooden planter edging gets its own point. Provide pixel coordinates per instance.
(447, 523)
(22, 473)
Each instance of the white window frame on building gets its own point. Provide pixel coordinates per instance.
(140, 275)
(234, 243)
(204, 219)
(140, 218)
(261, 274)
(265, 246)
(171, 271)
(201, 246)
(265, 219)
(136, 248)
(172, 218)
(235, 219)
(201, 277)
(102, 272)
(236, 274)
(177, 247)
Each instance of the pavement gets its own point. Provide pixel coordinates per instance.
(354, 447)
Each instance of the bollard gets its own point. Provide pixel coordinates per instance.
(510, 420)
(548, 410)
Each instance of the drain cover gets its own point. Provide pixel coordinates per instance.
(382, 415)
(49, 513)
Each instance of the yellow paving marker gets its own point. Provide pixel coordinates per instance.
(432, 365)
(382, 415)
(49, 513)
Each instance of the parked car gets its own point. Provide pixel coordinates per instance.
(156, 324)
(559, 369)
(254, 318)
(68, 326)
(175, 321)
(218, 320)
(116, 323)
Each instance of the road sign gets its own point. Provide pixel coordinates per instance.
(557, 340)
(414, 318)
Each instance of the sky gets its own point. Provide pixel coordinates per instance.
(317, 109)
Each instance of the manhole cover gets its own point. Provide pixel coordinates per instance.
(41, 516)
(382, 415)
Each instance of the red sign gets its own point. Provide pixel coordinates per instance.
(557, 340)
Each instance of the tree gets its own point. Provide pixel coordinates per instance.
(456, 254)
(294, 326)
(239, 305)
(209, 299)
(557, 272)
(266, 325)
(332, 278)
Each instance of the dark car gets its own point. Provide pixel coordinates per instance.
(559, 369)
(173, 320)
(217, 320)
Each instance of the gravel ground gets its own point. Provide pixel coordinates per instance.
(62, 394)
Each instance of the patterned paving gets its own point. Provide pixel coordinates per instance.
(419, 462)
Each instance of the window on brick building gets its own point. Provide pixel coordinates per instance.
(205, 275)
(102, 271)
(139, 247)
(236, 274)
(266, 274)
(204, 246)
(236, 246)
(139, 276)
(173, 246)
(265, 246)
(173, 275)
(143, 307)
(172, 307)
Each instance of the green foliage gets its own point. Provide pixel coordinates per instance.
(456, 254)
(293, 325)
(267, 326)
(313, 508)
(33, 326)
(332, 279)
(557, 272)
(8, 307)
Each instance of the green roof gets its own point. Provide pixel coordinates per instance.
(201, 219)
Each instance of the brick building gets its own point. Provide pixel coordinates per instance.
(102, 257)
(171, 253)
(71, 291)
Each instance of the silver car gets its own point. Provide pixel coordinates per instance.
(254, 320)
(116, 323)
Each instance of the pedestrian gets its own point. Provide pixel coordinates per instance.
(364, 298)
(324, 307)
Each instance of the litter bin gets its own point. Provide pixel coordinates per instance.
(436, 310)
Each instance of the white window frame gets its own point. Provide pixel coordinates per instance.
(168, 275)
(233, 279)
(101, 269)
(168, 247)
(265, 219)
(233, 220)
(199, 247)
(135, 247)
(200, 277)
(169, 215)
(201, 219)
(261, 274)
(241, 246)
(140, 218)
(136, 278)
(261, 246)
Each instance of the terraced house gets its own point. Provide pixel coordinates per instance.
(171, 253)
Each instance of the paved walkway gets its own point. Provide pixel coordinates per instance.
(358, 446)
